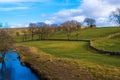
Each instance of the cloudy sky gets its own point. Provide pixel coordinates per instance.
(19, 13)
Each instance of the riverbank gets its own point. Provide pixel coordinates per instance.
(51, 68)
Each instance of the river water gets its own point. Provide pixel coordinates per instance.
(13, 70)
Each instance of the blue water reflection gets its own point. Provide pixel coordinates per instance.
(13, 70)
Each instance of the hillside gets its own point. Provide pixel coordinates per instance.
(88, 33)
(74, 58)
(109, 44)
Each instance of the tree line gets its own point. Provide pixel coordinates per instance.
(44, 31)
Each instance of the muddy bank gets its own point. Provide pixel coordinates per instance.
(46, 67)
(33, 68)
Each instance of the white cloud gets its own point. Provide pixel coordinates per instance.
(14, 1)
(97, 9)
(18, 25)
(64, 15)
(13, 8)
(18, 4)
(48, 22)
(78, 18)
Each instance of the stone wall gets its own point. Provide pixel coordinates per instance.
(102, 51)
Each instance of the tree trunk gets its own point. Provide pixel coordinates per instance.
(23, 37)
(68, 36)
(39, 36)
(32, 36)
(77, 36)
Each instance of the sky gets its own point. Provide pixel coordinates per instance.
(19, 13)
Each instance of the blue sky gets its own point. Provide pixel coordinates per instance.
(18, 13)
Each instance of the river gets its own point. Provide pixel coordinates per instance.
(13, 70)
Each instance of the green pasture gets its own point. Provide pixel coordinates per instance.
(109, 44)
(74, 50)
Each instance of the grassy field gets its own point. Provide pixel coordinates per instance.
(56, 68)
(109, 44)
(89, 33)
(74, 50)
(73, 60)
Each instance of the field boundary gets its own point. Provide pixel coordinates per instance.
(102, 51)
(90, 45)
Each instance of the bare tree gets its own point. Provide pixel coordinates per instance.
(32, 29)
(6, 40)
(70, 26)
(54, 27)
(47, 31)
(6, 43)
(90, 22)
(41, 29)
(24, 35)
(17, 34)
(115, 16)
(78, 27)
(67, 28)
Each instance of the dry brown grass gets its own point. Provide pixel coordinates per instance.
(67, 69)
